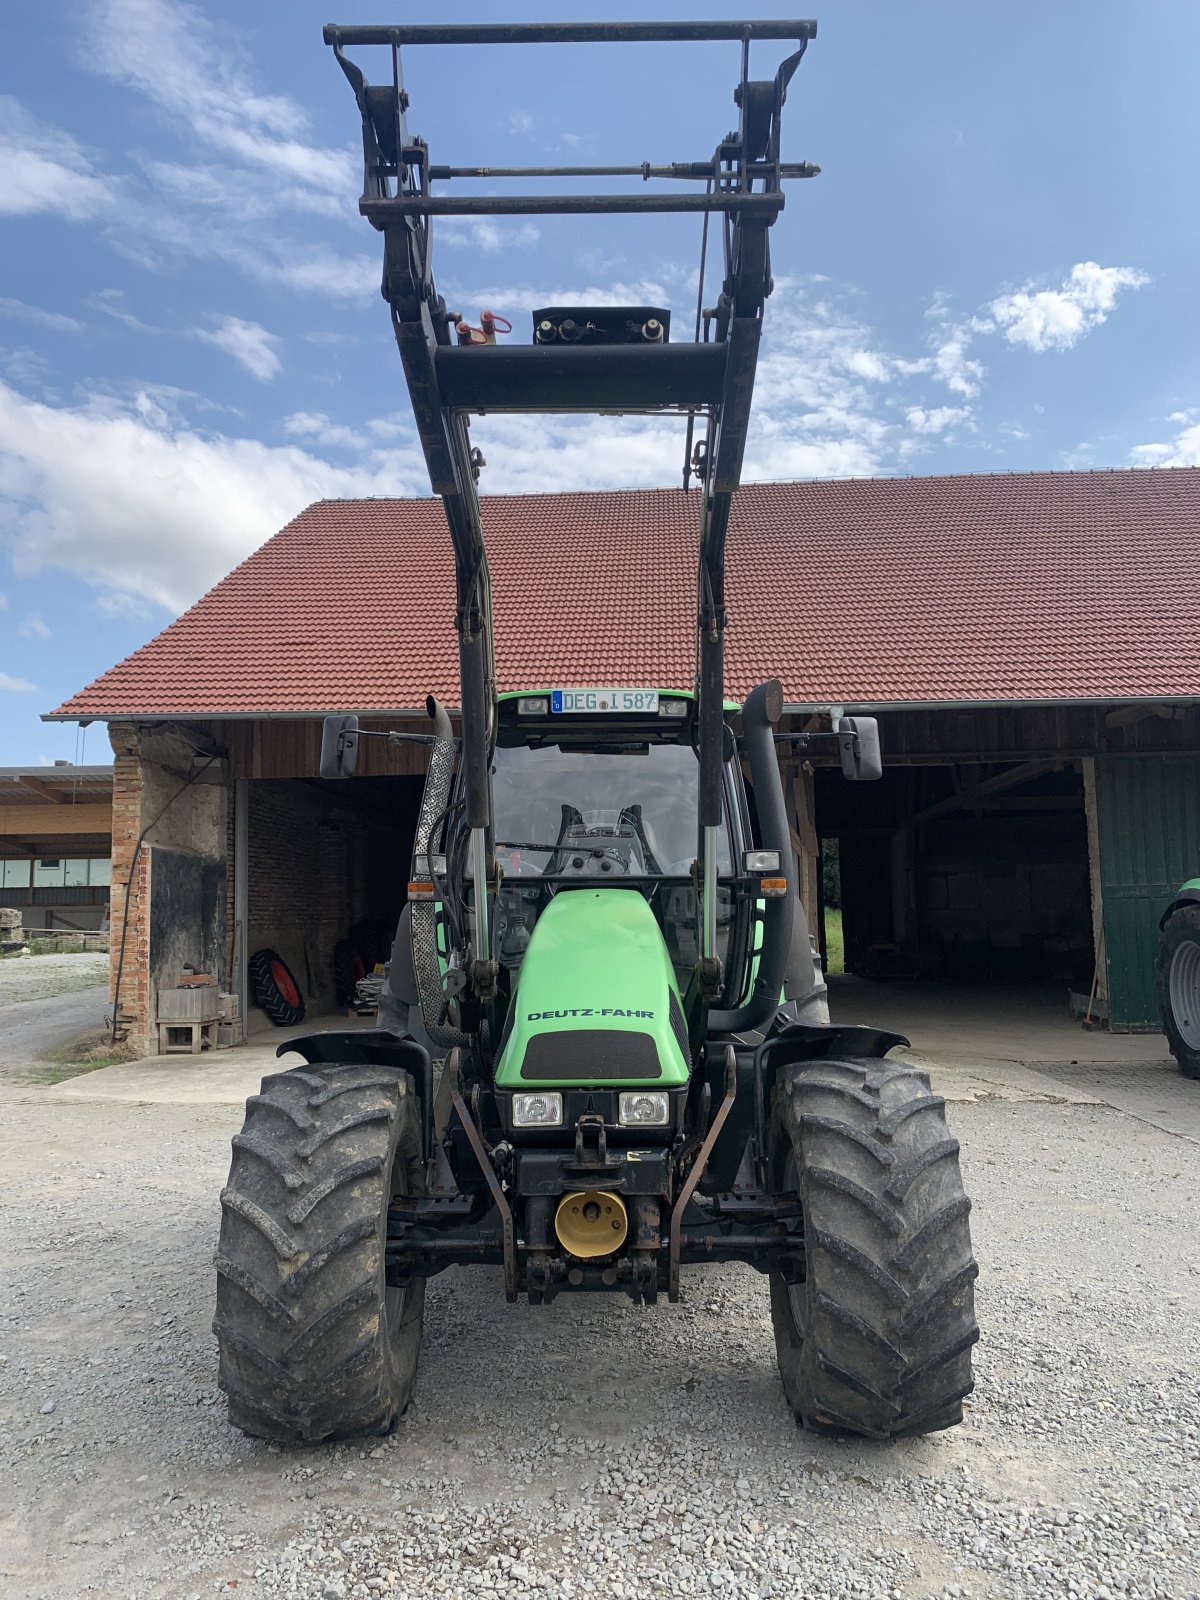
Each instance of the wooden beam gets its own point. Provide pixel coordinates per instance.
(32, 821)
(1013, 778)
(58, 797)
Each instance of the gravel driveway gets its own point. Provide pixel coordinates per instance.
(46, 1001)
(593, 1448)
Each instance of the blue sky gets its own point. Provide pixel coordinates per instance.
(996, 271)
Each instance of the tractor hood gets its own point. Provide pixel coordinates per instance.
(596, 1001)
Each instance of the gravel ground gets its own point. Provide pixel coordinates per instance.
(594, 1449)
(41, 977)
(46, 1001)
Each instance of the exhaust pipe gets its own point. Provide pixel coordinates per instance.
(436, 711)
(761, 711)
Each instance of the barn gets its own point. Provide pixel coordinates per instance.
(1029, 642)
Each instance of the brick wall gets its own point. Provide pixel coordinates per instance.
(129, 946)
(317, 866)
(159, 790)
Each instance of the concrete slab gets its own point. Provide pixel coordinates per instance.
(1159, 1095)
(218, 1077)
(968, 1023)
(978, 1045)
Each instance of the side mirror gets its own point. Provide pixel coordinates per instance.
(339, 746)
(858, 746)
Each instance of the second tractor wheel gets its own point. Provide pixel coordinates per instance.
(874, 1337)
(314, 1342)
(1178, 985)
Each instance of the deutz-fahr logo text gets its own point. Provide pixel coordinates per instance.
(586, 1011)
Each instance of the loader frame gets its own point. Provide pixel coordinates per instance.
(710, 378)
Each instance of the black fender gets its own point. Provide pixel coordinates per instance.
(1185, 897)
(758, 1065)
(376, 1047)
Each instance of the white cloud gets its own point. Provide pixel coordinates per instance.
(949, 341)
(935, 419)
(33, 628)
(1182, 451)
(1056, 319)
(489, 236)
(250, 345)
(175, 56)
(315, 425)
(11, 685)
(55, 321)
(44, 169)
(138, 502)
(111, 303)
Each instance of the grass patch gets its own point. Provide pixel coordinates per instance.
(835, 944)
(88, 1053)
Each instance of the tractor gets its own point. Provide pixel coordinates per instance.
(604, 1056)
(1177, 977)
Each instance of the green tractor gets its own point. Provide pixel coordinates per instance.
(1178, 977)
(605, 1055)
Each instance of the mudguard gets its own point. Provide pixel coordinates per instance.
(374, 1047)
(1189, 895)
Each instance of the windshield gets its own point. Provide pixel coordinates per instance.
(623, 811)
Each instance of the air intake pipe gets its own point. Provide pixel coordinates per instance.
(761, 711)
(438, 781)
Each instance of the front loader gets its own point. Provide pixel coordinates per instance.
(606, 1056)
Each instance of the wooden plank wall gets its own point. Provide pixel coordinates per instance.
(1022, 733)
(291, 748)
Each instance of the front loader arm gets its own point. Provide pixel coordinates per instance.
(711, 376)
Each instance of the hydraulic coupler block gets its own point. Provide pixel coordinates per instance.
(601, 325)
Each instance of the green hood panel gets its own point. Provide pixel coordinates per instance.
(596, 1001)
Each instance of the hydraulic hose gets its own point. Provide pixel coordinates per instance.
(760, 713)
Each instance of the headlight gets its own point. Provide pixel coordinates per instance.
(638, 1109)
(537, 1110)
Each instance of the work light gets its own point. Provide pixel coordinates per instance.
(638, 1109)
(537, 1110)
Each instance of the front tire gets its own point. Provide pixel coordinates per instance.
(314, 1344)
(874, 1337)
(1178, 984)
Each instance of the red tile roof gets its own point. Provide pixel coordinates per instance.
(1027, 586)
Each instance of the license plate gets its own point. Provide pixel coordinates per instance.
(609, 702)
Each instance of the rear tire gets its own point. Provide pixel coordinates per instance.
(875, 1338)
(1178, 983)
(313, 1343)
(275, 989)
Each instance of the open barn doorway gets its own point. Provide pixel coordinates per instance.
(965, 872)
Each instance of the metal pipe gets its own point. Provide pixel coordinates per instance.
(674, 1241)
(479, 1149)
(760, 712)
(567, 32)
(708, 944)
(480, 931)
(440, 717)
(687, 171)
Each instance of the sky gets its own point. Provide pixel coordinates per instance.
(994, 272)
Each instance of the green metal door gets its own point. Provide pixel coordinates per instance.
(1148, 818)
